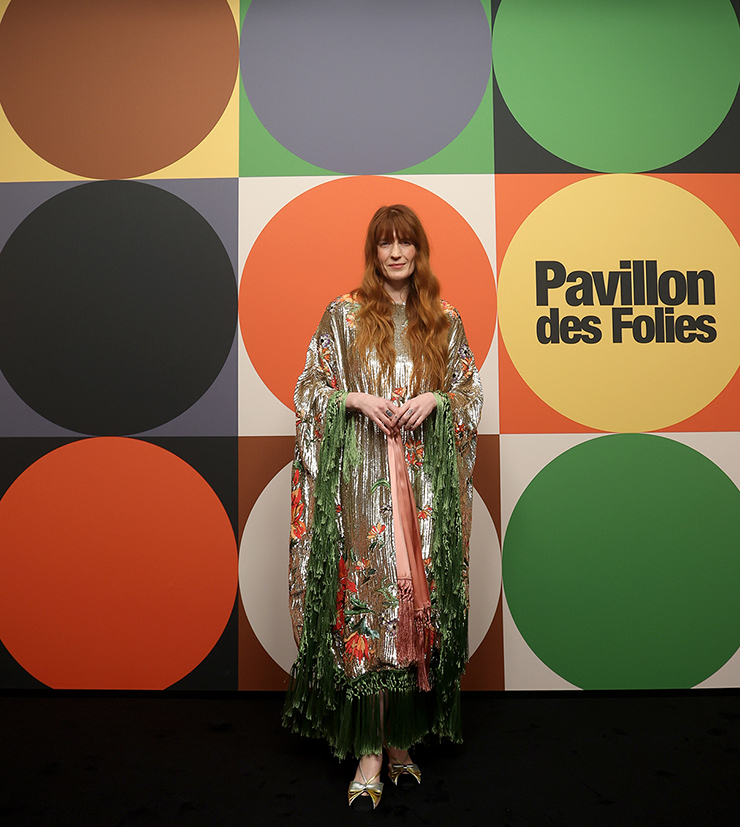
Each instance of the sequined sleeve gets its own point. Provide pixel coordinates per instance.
(319, 380)
(315, 386)
(466, 402)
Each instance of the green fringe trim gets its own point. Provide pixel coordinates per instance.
(357, 716)
(312, 689)
(378, 708)
(352, 457)
(449, 596)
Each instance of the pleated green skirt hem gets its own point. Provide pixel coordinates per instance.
(383, 707)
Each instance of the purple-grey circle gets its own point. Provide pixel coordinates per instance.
(365, 87)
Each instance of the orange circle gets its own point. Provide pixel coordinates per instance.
(118, 567)
(116, 90)
(311, 251)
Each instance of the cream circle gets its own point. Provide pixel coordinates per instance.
(485, 573)
(263, 570)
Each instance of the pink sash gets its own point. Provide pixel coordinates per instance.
(415, 632)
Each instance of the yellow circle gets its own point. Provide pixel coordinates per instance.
(663, 273)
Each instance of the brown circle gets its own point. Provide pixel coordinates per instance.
(116, 90)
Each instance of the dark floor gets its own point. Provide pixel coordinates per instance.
(528, 759)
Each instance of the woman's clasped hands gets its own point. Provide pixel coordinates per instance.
(388, 416)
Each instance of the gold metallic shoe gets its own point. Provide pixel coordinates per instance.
(403, 775)
(365, 793)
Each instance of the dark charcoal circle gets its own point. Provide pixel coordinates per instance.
(117, 308)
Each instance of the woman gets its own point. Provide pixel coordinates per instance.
(387, 409)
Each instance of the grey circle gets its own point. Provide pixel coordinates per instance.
(364, 87)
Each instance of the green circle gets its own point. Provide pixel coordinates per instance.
(622, 86)
(621, 566)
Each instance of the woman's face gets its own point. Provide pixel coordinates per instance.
(396, 259)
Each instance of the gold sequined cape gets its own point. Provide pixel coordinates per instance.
(355, 581)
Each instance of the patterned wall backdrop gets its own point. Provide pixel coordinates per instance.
(183, 189)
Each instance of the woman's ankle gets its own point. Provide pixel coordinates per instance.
(398, 756)
(369, 766)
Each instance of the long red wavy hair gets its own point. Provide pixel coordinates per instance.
(427, 324)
